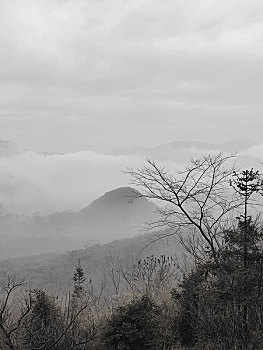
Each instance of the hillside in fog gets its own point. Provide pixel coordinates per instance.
(115, 215)
(179, 151)
(54, 271)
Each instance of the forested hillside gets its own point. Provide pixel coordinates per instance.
(53, 272)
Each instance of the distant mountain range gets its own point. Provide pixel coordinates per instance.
(115, 215)
(23, 191)
(168, 151)
(14, 192)
(180, 150)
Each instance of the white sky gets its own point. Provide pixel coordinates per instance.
(104, 74)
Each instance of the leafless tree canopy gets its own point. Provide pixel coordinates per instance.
(199, 196)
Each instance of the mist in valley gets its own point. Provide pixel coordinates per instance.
(131, 185)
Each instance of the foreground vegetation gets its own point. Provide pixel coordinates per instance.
(216, 305)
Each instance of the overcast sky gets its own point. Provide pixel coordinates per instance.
(104, 74)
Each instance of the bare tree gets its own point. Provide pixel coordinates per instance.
(199, 197)
(34, 320)
(11, 316)
(200, 201)
(150, 275)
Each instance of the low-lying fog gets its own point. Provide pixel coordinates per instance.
(33, 182)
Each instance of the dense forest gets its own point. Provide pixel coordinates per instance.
(159, 301)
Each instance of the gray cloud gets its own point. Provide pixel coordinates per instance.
(102, 74)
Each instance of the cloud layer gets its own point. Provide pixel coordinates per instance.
(104, 74)
(32, 182)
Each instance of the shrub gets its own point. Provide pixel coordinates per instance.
(135, 326)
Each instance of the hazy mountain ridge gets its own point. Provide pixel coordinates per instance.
(180, 150)
(112, 216)
(54, 271)
(14, 192)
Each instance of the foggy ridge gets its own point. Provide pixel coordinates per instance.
(113, 216)
(180, 150)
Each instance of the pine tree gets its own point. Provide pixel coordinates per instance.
(137, 325)
(79, 279)
(44, 324)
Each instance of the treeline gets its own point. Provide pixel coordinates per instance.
(139, 316)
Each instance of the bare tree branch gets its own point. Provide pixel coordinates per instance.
(199, 196)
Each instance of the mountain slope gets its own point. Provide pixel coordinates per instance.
(180, 150)
(54, 271)
(113, 216)
(117, 214)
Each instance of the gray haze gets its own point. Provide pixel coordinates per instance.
(36, 182)
(106, 74)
